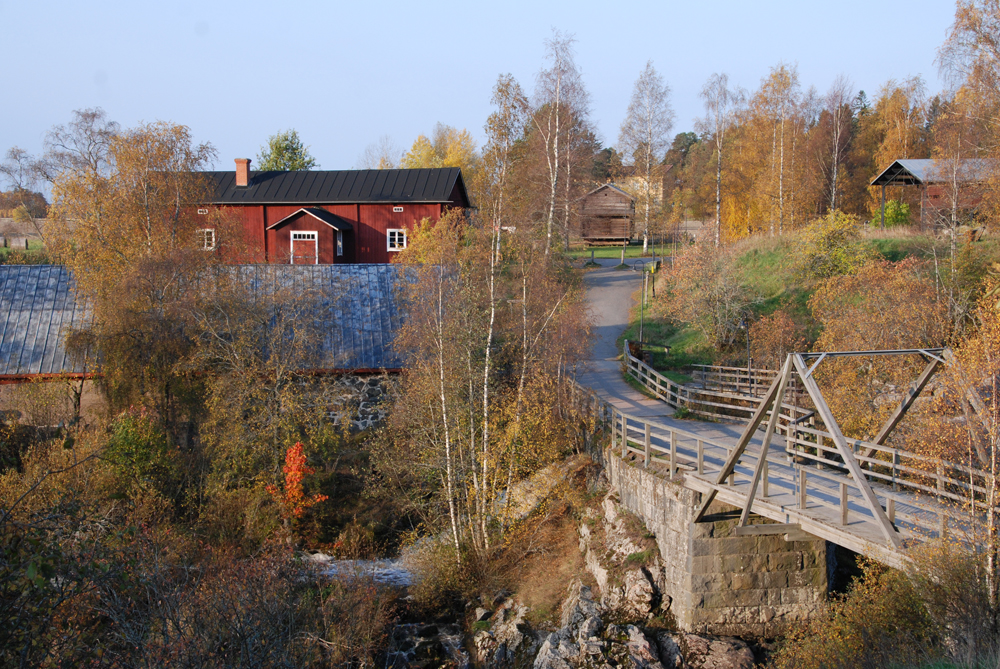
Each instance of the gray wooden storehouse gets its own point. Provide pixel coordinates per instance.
(607, 215)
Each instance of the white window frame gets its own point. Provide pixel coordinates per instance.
(340, 243)
(392, 245)
(306, 235)
(202, 237)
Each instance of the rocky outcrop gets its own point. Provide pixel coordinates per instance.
(415, 646)
(584, 640)
(508, 639)
(629, 575)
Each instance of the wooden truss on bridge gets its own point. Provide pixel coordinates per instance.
(772, 403)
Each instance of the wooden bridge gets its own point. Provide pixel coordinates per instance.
(870, 498)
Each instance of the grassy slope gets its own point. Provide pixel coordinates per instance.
(769, 267)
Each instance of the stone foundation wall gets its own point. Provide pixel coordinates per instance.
(720, 583)
(357, 399)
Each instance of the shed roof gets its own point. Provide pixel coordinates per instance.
(427, 186)
(919, 171)
(37, 308)
(331, 219)
(357, 305)
(612, 187)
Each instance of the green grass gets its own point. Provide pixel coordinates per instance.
(631, 251)
(642, 557)
(33, 256)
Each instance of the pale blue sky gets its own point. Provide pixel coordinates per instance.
(344, 73)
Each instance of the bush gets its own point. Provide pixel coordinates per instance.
(139, 452)
(897, 214)
(881, 622)
(707, 292)
(832, 246)
(774, 337)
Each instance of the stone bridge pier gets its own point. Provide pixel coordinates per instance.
(721, 583)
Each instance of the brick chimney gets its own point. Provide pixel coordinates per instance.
(243, 172)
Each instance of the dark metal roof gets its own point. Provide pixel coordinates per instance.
(358, 308)
(342, 187)
(37, 308)
(919, 171)
(357, 305)
(334, 221)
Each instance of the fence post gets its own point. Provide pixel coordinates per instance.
(802, 487)
(890, 510)
(673, 453)
(701, 457)
(646, 446)
(940, 479)
(843, 503)
(895, 466)
(614, 431)
(624, 437)
(943, 531)
(763, 482)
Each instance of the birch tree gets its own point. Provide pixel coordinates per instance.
(721, 103)
(491, 328)
(645, 135)
(560, 93)
(837, 105)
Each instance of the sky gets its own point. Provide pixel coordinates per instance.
(344, 74)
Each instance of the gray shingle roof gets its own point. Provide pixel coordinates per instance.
(38, 307)
(341, 187)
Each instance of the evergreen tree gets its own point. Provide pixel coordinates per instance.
(285, 151)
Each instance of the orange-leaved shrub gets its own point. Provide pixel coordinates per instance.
(773, 337)
(882, 306)
(292, 497)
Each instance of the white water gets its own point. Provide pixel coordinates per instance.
(384, 572)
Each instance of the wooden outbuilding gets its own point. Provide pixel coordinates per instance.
(943, 185)
(607, 215)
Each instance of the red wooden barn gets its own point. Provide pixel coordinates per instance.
(333, 217)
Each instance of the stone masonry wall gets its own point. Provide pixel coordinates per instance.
(720, 583)
(357, 399)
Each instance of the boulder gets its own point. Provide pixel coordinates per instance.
(712, 652)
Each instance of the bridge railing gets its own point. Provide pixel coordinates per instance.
(704, 402)
(937, 489)
(733, 379)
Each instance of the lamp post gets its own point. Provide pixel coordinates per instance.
(642, 305)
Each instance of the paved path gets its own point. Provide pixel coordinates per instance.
(610, 295)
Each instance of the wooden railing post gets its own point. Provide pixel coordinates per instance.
(614, 431)
(890, 510)
(701, 457)
(673, 453)
(763, 482)
(646, 445)
(943, 529)
(895, 469)
(802, 487)
(624, 437)
(843, 503)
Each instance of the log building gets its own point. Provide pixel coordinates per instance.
(607, 215)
